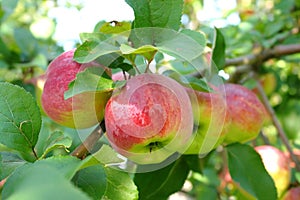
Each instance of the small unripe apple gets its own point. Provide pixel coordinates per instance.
(268, 82)
(209, 110)
(277, 165)
(247, 113)
(292, 194)
(149, 119)
(39, 83)
(80, 111)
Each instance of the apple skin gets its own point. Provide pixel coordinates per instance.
(247, 114)
(209, 111)
(277, 165)
(119, 76)
(149, 119)
(80, 111)
(268, 82)
(292, 194)
(39, 83)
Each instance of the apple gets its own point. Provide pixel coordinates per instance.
(82, 110)
(292, 194)
(119, 76)
(268, 82)
(247, 114)
(39, 83)
(149, 119)
(277, 165)
(209, 111)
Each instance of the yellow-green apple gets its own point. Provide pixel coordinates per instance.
(247, 114)
(39, 83)
(149, 118)
(277, 165)
(80, 111)
(268, 82)
(292, 194)
(209, 111)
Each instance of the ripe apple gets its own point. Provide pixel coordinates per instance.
(82, 110)
(246, 112)
(209, 111)
(149, 118)
(119, 76)
(292, 194)
(277, 165)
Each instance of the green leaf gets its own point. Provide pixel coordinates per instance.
(119, 185)
(25, 41)
(8, 163)
(8, 7)
(20, 120)
(93, 37)
(95, 83)
(218, 54)
(98, 177)
(4, 50)
(148, 51)
(162, 183)
(91, 49)
(199, 84)
(126, 49)
(91, 180)
(56, 140)
(273, 28)
(66, 165)
(35, 181)
(106, 183)
(246, 168)
(179, 45)
(157, 13)
(105, 156)
(286, 6)
(199, 37)
(115, 27)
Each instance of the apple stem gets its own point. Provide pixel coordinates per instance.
(276, 123)
(2, 182)
(136, 68)
(81, 151)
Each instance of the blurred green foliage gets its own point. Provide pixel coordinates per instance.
(26, 44)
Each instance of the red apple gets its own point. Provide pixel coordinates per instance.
(292, 194)
(209, 110)
(82, 110)
(277, 165)
(149, 119)
(119, 76)
(247, 114)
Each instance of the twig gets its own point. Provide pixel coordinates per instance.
(264, 138)
(276, 52)
(90, 141)
(276, 123)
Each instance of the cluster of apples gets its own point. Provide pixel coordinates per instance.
(153, 116)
